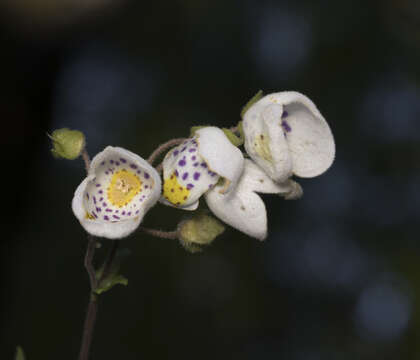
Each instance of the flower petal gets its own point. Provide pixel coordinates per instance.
(221, 156)
(309, 138)
(242, 208)
(186, 176)
(120, 188)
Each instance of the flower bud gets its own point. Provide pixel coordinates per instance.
(199, 231)
(67, 144)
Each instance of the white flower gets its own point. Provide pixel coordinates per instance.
(195, 166)
(285, 134)
(118, 191)
(242, 208)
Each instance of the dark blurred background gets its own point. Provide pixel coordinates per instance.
(338, 276)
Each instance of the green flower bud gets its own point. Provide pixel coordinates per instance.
(199, 231)
(67, 144)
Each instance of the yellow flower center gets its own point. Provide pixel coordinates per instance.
(123, 187)
(174, 192)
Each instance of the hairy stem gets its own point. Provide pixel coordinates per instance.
(161, 148)
(159, 233)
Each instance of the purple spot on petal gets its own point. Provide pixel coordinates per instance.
(98, 209)
(94, 199)
(176, 173)
(285, 114)
(204, 165)
(123, 160)
(195, 164)
(133, 166)
(176, 152)
(101, 199)
(184, 176)
(137, 211)
(116, 217)
(123, 213)
(117, 211)
(183, 149)
(111, 161)
(193, 158)
(103, 163)
(129, 213)
(104, 204)
(146, 175)
(94, 214)
(146, 186)
(117, 163)
(108, 210)
(190, 186)
(97, 185)
(182, 162)
(138, 171)
(100, 192)
(106, 172)
(196, 175)
(192, 150)
(286, 127)
(106, 217)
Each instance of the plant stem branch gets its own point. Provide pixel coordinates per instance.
(161, 148)
(109, 260)
(86, 160)
(159, 233)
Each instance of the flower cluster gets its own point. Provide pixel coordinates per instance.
(284, 135)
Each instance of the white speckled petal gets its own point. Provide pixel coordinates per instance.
(221, 156)
(186, 176)
(98, 210)
(242, 208)
(308, 136)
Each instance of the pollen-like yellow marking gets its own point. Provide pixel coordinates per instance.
(89, 216)
(123, 187)
(261, 145)
(174, 192)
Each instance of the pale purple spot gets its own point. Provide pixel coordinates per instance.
(104, 204)
(111, 161)
(138, 171)
(97, 185)
(183, 149)
(117, 163)
(190, 186)
(182, 162)
(285, 114)
(123, 213)
(133, 166)
(117, 211)
(108, 210)
(192, 150)
(103, 163)
(94, 199)
(204, 165)
(100, 192)
(176, 152)
(106, 217)
(193, 158)
(196, 164)
(146, 175)
(101, 199)
(196, 176)
(129, 213)
(98, 209)
(185, 176)
(123, 160)
(286, 127)
(137, 211)
(176, 173)
(211, 185)
(116, 217)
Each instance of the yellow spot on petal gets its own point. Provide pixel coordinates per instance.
(174, 192)
(89, 216)
(261, 145)
(123, 187)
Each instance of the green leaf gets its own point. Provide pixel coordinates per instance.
(251, 102)
(109, 282)
(20, 355)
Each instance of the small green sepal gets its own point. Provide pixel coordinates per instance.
(67, 144)
(20, 355)
(235, 140)
(193, 129)
(251, 102)
(199, 231)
